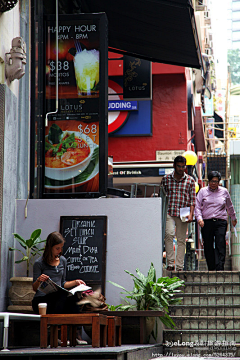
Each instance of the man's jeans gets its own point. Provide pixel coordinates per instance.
(181, 229)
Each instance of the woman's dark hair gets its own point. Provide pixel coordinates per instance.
(180, 159)
(53, 239)
(213, 174)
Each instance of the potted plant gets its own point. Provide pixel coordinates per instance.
(150, 293)
(21, 292)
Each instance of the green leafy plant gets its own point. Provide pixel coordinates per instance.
(30, 246)
(150, 293)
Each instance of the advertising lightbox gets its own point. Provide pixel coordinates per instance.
(76, 135)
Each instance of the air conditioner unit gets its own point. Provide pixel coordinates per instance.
(201, 7)
(207, 21)
(207, 17)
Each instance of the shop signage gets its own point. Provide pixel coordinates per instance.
(72, 137)
(128, 123)
(137, 78)
(122, 105)
(167, 155)
(141, 172)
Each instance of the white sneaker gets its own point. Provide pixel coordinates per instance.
(81, 342)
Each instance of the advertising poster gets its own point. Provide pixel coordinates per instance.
(220, 99)
(71, 156)
(72, 135)
(78, 68)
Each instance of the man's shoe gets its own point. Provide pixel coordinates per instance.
(170, 268)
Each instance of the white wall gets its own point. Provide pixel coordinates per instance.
(9, 29)
(133, 235)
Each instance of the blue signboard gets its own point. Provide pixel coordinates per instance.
(122, 105)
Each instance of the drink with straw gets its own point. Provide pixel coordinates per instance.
(86, 65)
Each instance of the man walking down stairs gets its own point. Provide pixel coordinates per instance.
(208, 320)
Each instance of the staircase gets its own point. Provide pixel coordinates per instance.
(208, 319)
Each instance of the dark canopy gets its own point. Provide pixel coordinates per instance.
(157, 30)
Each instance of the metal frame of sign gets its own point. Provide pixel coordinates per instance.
(38, 189)
(104, 248)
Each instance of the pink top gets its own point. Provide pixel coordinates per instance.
(214, 204)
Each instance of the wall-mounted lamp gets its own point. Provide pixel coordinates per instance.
(16, 60)
(6, 5)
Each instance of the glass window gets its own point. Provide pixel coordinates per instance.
(236, 35)
(236, 5)
(236, 44)
(236, 15)
(235, 25)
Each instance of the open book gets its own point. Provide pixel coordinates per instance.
(50, 286)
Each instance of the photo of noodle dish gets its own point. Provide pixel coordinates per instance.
(67, 153)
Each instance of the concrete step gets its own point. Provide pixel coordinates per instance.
(211, 287)
(210, 299)
(207, 276)
(207, 310)
(186, 335)
(207, 322)
(210, 313)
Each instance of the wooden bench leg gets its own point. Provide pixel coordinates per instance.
(103, 335)
(54, 336)
(72, 335)
(43, 333)
(118, 331)
(111, 331)
(64, 335)
(95, 332)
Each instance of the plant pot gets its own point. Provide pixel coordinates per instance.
(150, 322)
(21, 294)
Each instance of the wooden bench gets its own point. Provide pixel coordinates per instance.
(99, 324)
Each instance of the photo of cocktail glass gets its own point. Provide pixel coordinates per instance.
(86, 65)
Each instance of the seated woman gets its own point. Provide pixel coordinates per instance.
(53, 265)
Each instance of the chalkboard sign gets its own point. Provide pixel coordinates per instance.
(85, 248)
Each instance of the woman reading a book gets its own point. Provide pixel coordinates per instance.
(53, 265)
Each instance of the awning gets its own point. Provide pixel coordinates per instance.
(199, 132)
(157, 30)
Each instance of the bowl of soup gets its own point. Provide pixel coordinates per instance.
(69, 157)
